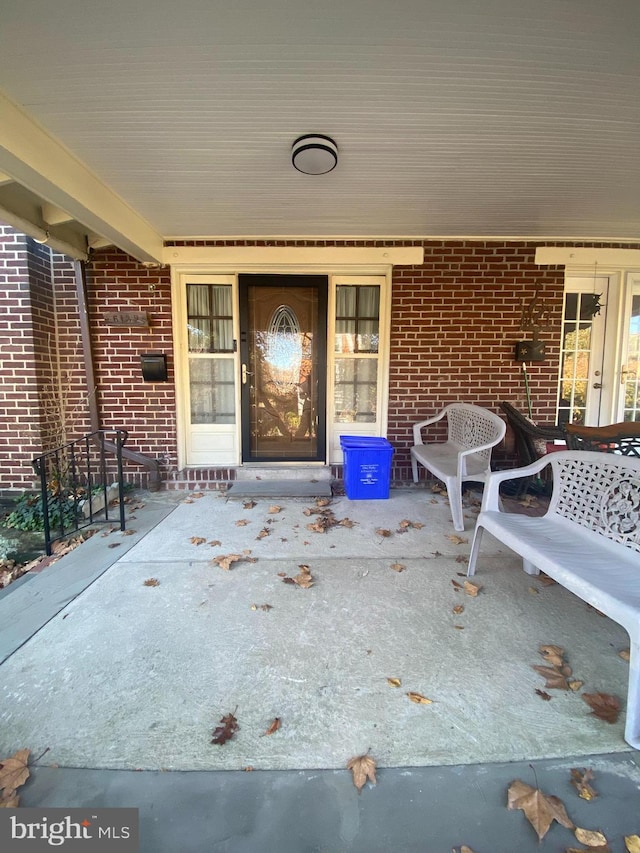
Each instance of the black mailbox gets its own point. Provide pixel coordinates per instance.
(154, 366)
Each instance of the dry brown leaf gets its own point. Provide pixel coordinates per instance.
(381, 531)
(590, 837)
(14, 771)
(554, 655)
(249, 504)
(214, 543)
(603, 705)
(459, 627)
(457, 540)
(471, 589)
(198, 540)
(575, 684)
(539, 809)
(625, 654)
(545, 580)
(9, 800)
(543, 695)
(347, 522)
(459, 608)
(274, 508)
(225, 560)
(264, 532)
(419, 699)
(533, 590)
(323, 501)
(363, 767)
(242, 522)
(394, 682)
(223, 733)
(632, 843)
(580, 780)
(554, 678)
(152, 582)
(456, 584)
(273, 728)
(398, 567)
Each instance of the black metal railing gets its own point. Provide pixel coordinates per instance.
(80, 482)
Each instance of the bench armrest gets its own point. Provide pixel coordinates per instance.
(491, 494)
(417, 437)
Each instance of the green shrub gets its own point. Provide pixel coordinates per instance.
(29, 513)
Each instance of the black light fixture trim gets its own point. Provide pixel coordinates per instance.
(314, 154)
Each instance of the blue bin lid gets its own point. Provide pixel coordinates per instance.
(363, 441)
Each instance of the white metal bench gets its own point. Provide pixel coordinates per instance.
(588, 541)
(472, 432)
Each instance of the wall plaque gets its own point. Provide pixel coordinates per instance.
(126, 318)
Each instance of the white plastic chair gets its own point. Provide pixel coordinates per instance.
(466, 454)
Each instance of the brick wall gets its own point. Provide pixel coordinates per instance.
(454, 322)
(147, 410)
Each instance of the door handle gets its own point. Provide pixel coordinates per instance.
(597, 384)
(245, 373)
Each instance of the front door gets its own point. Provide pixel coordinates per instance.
(283, 331)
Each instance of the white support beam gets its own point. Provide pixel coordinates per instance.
(53, 215)
(5, 179)
(572, 256)
(45, 167)
(328, 257)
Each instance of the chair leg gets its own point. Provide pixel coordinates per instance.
(632, 725)
(414, 468)
(454, 492)
(475, 550)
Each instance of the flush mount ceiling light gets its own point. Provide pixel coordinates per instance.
(314, 154)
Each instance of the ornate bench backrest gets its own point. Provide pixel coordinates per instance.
(599, 491)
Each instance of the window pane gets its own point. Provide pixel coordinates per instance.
(199, 335)
(210, 317)
(345, 301)
(355, 393)
(212, 387)
(369, 301)
(368, 338)
(345, 336)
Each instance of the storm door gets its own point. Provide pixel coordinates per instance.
(283, 331)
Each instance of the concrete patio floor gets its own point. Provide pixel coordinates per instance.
(429, 808)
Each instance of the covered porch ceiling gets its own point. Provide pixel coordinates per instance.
(136, 123)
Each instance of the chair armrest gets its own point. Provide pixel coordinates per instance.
(417, 437)
(491, 494)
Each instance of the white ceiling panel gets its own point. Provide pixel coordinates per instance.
(467, 118)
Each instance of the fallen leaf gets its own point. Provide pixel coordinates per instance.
(346, 522)
(580, 780)
(9, 800)
(303, 579)
(394, 682)
(225, 560)
(543, 695)
(575, 684)
(398, 567)
(533, 590)
(554, 678)
(590, 837)
(471, 589)
(632, 843)
(382, 532)
(554, 655)
(197, 540)
(14, 771)
(459, 627)
(363, 767)
(459, 608)
(545, 580)
(152, 582)
(226, 731)
(457, 540)
(241, 522)
(603, 706)
(419, 699)
(273, 728)
(128, 532)
(323, 501)
(214, 543)
(114, 545)
(274, 508)
(625, 654)
(456, 584)
(264, 532)
(539, 809)
(248, 769)
(249, 504)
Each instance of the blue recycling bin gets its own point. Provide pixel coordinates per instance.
(366, 467)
